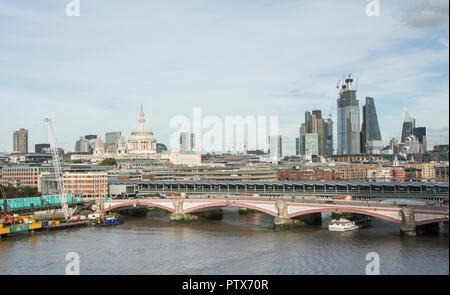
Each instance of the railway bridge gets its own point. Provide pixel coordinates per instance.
(288, 211)
(433, 192)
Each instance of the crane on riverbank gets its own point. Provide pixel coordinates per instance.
(68, 212)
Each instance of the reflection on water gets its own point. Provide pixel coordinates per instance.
(238, 244)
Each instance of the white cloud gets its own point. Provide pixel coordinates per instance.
(272, 58)
(427, 13)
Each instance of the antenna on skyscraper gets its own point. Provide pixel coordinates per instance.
(357, 80)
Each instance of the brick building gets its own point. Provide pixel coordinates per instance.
(22, 175)
(88, 184)
(306, 175)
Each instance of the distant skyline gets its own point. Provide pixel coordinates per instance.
(91, 73)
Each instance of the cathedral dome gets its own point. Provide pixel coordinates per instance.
(142, 127)
(142, 141)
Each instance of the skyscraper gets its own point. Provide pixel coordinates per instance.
(112, 140)
(301, 140)
(20, 141)
(407, 126)
(348, 127)
(315, 124)
(421, 134)
(276, 149)
(370, 131)
(85, 144)
(187, 141)
(312, 144)
(328, 137)
(318, 127)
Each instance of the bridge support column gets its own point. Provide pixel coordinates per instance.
(178, 215)
(282, 221)
(408, 227)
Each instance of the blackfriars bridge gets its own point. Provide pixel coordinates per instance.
(290, 212)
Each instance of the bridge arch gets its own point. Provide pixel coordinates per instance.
(141, 203)
(428, 221)
(347, 210)
(231, 204)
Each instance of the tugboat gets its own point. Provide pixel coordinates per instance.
(351, 223)
(105, 220)
(112, 220)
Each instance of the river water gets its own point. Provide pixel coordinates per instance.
(237, 244)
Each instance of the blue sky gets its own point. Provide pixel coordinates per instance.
(91, 73)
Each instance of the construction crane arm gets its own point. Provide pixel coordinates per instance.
(58, 170)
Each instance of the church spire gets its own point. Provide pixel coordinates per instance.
(141, 115)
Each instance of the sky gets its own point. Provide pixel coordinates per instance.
(90, 73)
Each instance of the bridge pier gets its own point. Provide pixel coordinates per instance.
(408, 227)
(178, 215)
(282, 221)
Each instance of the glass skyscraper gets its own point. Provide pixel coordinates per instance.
(370, 131)
(328, 137)
(421, 134)
(348, 132)
(407, 126)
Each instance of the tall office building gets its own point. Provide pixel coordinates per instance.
(276, 148)
(301, 140)
(421, 134)
(407, 126)
(318, 127)
(112, 141)
(20, 141)
(85, 144)
(187, 141)
(370, 131)
(312, 144)
(315, 124)
(329, 149)
(348, 126)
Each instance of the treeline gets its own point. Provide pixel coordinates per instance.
(21, 192)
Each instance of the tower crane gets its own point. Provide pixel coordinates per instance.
(68, 212)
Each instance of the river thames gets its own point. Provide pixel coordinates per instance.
(235, 245)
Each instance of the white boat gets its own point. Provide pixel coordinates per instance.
(351, 223)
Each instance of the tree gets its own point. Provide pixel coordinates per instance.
(11, 192)
(77, 161)
(108, 162)
(21, 192)
(28, 192)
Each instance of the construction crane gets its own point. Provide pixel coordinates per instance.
(68, 212)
